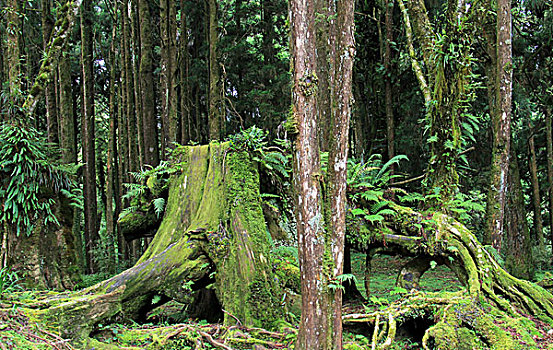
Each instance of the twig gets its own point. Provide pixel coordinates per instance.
(231, 315)
(213, 341)
(408, 180)
(467, 150)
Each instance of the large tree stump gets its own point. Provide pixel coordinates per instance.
(213, 234)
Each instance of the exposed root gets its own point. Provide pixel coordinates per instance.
(458, 322)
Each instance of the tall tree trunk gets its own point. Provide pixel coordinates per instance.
(314, 324)
(169, 100)
(516, 244)
(184, 74)
(445, 87)
(149, 122)
(68, 138)
(501, 128)
(325, 61)
(89, 136)
(321, 325)
(137, 118)
(112, 183)
(342, 49)
(536, 199)
(50, 91)
(13, 51)
(549, 141)
(127, 96)
(215, 112)
(390, 136)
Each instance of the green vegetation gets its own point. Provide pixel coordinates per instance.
(151, 154)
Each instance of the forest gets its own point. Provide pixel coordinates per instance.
(276, 174)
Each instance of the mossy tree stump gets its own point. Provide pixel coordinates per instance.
(213, 235)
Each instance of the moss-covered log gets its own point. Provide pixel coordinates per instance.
(213, 233)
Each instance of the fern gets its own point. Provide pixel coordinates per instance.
(134, 190)
(127, 211)
(159, 206)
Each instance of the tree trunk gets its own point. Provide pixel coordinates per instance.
(48, 257)
(68, 138)
(112, 184)
(213, 233)
(184, 76)
(501, 128)
(62, 29)
(13, 30)
(168, 75)
(135, 117)
(89, 137)
(314, 324)
(549, 138)
(325, 61)
(390, 138)
(215, 108)
(516, 244)
(536, 199)
(342, 48)
(149, 122)
(446, 87)
(51, 105)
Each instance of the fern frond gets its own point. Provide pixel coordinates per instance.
(159, 206)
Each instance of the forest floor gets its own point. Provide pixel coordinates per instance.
(170, 328)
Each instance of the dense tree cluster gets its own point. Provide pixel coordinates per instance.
(104, 104)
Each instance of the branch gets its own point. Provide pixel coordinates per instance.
(60, 33)
(414, 63)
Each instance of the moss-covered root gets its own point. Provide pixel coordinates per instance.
(443, 239)
(458, 323)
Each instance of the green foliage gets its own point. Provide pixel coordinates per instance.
(337, 282)
(372, 173)
(252, 140)
(26, 172)
(368, 183)
(75, 196)
(9, 281)
(159, 206)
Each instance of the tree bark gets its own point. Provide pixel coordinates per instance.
(390, 136)
(89, 136)
(342, 48)
(68, 133)
(148, 98)
(113, 203)
(536, 198)
(314, 324)
(136, 126)
(62, 29)
(549, 141)
(51, 105)
(516, 243)
(501, 128)
(185, 95)
(215, 108)
(446, 87)
(169, 101)
(13, 51)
